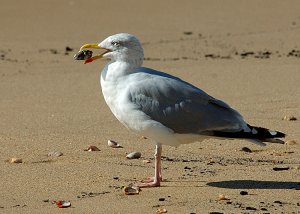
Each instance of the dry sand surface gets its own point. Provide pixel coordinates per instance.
(246, 53)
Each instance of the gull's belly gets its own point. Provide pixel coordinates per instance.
(117, 97)
(133, 118)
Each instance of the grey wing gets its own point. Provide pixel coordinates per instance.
(183, 107)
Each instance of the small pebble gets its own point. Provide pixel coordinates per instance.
(134, 155)
(188, 33)
(91, 194)
(243, 193)
(289, 118)
(251, 208)
(246, 149)
(146, 161)
(92, 149)
(290, 142)
(281, 168)
(16, 160)
(68, 48)
(55, 154)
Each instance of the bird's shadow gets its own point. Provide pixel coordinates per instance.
(254, 184)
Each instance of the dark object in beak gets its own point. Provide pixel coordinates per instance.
(83, 55)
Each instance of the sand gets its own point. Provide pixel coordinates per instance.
(243, 52)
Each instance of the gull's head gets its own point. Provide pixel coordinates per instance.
(119, 47)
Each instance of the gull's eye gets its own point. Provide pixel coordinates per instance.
(114, 43)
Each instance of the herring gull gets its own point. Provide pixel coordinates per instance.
(163, 107)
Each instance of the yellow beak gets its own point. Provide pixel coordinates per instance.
(94, 46)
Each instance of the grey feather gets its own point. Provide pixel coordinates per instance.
(181, 106)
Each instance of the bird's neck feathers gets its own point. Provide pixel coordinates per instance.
(116, 69)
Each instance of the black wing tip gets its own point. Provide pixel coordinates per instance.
(266, 133)
(254, 133)
(280, 134)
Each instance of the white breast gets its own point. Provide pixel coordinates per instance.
(116, 92)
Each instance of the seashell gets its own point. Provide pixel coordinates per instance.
(113, 144)
(222, 197)
(161, 211)
(290, 142)
(16, 160)
(63, 204)
(289, 118)
(134, 155)
(83, 55)
(55, 154)
(131, 190)
(92, 149)
(146, 161)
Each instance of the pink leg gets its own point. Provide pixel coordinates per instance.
(155, 181)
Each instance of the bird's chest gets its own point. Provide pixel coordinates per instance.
(116, 97)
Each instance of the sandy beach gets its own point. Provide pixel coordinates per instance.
(246, 53)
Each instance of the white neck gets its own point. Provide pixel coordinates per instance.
(115, 69)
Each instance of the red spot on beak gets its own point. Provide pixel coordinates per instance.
(88, 60)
